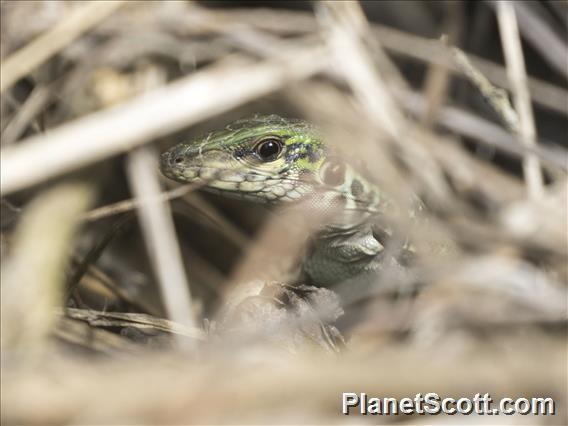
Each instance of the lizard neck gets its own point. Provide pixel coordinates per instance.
(348, 195)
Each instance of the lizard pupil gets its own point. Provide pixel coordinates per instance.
(269, 149)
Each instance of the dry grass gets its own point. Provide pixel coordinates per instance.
(91, 91)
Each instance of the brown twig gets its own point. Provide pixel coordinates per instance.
(48, 44)
(131, 204)
(159, 234)
(511, 41)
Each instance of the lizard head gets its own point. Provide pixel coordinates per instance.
(264, 158)
(271, 159)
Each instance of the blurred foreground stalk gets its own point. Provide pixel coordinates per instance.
(34, 272)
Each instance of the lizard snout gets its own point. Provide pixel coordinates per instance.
(176, 164)
(170, 158)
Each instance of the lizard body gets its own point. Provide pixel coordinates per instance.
(273, 160)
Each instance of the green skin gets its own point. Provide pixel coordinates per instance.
(275, 160)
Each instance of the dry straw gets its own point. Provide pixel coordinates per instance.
(91, 92)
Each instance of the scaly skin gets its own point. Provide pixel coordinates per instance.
(276, 160)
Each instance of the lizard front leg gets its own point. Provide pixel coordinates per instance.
(336, 257)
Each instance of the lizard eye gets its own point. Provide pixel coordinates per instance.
(268, 149)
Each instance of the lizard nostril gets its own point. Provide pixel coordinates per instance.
(170, 159)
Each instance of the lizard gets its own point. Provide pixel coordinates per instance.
(275, 160)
